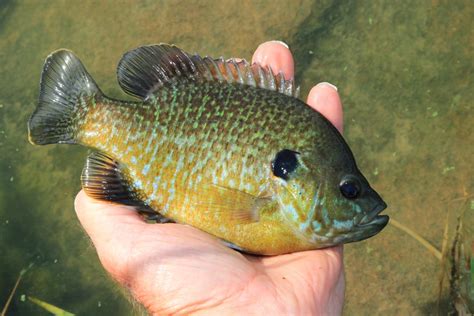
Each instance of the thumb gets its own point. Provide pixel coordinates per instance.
(109, 227)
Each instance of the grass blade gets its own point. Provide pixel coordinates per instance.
(12, 293)
(49, 307)
(435, 252)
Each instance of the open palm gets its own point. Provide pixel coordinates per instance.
(173, 268)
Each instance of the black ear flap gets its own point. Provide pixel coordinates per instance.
(285, 163)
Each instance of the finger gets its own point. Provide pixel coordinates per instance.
(122, 239)
(324, 98)
(277, 55)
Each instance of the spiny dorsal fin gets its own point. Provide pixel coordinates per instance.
(144, 70)
(105, 179)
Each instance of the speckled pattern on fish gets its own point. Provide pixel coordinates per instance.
(223, 146)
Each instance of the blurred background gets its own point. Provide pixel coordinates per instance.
(404, 70)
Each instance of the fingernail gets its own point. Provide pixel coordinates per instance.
(327, 84)
(281, 42)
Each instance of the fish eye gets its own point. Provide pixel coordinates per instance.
(285, 162)
(349, 189)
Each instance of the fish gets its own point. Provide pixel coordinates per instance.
(222, 145)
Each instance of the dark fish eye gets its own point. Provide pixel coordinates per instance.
(349, 189)
(285, 162)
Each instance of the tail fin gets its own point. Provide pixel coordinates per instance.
(64, 89)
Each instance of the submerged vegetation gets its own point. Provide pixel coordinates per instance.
(44, 305)
(460, 271)
(456, 276)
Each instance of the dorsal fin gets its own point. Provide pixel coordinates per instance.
(144, 70)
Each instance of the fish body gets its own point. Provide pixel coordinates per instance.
(223, 146)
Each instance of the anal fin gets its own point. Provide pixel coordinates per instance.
(104, 178)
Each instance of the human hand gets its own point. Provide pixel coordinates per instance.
(178, 269)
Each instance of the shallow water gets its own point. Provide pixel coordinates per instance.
(404, 72)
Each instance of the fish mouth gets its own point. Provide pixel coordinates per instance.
(370, 224)
(373, 218)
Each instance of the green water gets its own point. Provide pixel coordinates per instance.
(405, 74)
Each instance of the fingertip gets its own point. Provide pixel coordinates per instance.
(81, 201)
(325, 99)
(83, 206)
(277, 55)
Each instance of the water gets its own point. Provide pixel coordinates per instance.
(404, 71)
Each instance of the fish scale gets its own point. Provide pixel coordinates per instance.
(223, 146)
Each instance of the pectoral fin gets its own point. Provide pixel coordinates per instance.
(229, 203)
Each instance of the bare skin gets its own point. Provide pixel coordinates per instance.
(177, 269)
